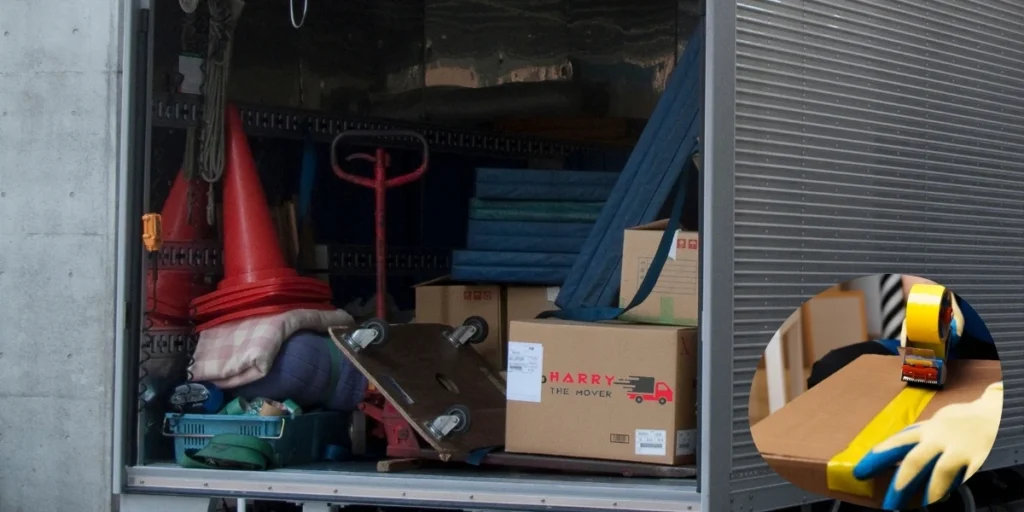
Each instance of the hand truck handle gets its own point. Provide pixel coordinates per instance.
(380, 134)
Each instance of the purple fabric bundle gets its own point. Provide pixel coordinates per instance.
(302, 372)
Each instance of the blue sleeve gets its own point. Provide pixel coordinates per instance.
(891, 345)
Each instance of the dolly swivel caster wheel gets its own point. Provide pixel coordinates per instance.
(454, 421)
(462, 413)
(473, 331)
(380, 330)
(481, 330)
(371, 333)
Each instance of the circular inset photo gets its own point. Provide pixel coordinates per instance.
(885, 391)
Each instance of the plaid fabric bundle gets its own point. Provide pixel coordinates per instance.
(241, 352)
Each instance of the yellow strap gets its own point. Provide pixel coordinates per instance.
(901, 412)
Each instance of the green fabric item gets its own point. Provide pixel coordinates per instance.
(232, 451)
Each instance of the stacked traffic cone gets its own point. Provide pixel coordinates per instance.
(257, 279)
(171, 290)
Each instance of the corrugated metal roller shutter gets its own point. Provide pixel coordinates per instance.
(877, 136)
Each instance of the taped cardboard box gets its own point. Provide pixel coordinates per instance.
(526, 302)
(610, 391)
(799, 440)
(445, 301)
(674, 298)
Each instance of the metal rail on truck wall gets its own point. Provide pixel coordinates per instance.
(716, 257)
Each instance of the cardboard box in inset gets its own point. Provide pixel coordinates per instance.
(446, 302)
(610, 391)
(799, 440)
(674, 300)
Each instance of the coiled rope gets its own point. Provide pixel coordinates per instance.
(224, 16)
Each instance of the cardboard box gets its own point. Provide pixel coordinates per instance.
(674, 298)
(526, 302)
(798, 440)
(447, 302)
(611, 391)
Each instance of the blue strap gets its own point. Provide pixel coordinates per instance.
(599, 314)
(336, 453)
(476, 457)
(973, 325)
(891, 345)
(307, 177)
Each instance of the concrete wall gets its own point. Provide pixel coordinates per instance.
(59, 104)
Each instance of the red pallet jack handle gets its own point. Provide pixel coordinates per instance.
(400, 437)
(380, 183)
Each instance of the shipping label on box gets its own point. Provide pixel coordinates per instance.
(674, 299)
(606, 391)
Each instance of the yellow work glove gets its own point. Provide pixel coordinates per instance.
(941, 452)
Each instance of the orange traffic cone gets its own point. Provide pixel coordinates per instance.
(167, 302)
(257, 279)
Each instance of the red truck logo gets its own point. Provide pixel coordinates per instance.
(641, 389)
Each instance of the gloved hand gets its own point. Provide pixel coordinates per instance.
(943, 451)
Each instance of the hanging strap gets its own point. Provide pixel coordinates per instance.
(599, 314)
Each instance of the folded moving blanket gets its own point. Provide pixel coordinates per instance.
(237, 353)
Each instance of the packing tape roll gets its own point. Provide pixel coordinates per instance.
(899, 414)
(272, 408)
(929, 312)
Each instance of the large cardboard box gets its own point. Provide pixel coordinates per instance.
(674, 298)
(611, 391)
(447, 302)
(798, 440)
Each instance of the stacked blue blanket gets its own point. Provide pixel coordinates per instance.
(528, 226)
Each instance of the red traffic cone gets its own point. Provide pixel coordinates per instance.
(168, 301)
(251, 250)
(263, 311)
(257, 279)
(178, 225)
